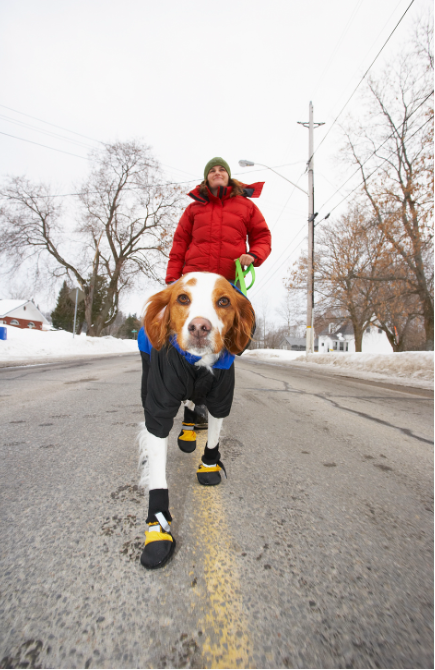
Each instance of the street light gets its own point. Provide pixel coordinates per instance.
(311, 216)
(245, 163)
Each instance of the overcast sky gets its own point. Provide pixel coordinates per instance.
(193, 79)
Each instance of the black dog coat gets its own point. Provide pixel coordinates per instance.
(170, 379)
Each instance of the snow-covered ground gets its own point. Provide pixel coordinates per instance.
(38, 346)
(410, 368)
(32, 347)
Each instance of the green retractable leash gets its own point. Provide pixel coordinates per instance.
(240, 277)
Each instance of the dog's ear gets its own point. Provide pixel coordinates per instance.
(157, 318)
(243, 328)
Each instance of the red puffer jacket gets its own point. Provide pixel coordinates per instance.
(212, 233)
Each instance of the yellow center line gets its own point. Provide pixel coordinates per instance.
(226, 641)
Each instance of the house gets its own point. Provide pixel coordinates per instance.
(296, 344)
(336, 338)
(22, 314)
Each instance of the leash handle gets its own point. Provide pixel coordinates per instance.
(240, 277)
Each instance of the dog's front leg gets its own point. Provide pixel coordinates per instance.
(214, 431)
(157, 448)
(159, 543)
(208, 473)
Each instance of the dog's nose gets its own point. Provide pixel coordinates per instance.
(199, 328)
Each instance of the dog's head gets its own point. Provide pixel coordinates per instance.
(204, 311)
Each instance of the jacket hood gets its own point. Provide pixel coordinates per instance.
(249, 191)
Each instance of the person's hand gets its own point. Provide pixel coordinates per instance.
(246, 259)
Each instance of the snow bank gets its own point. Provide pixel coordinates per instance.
(38, 346)
(411, 368)
(273, 355)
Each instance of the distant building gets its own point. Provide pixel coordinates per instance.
(296, 344)
(336, 338)
(21, 314)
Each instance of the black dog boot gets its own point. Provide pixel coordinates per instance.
(159, 543)
(201, 417)
(208, 472)
(187, 438)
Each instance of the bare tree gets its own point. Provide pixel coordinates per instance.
(126, 216)
(285, 312)
(262, 308)
(274, 337)
(393, 149)
(346, 255)
(292, 311)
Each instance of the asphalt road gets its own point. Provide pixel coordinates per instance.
(315, 553)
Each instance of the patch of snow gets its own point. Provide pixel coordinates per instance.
(410, 368)
(7, 306)
(25, 344)
(270, 354)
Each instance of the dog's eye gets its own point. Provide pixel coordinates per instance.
(183, 299)
(223, 302)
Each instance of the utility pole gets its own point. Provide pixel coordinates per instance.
(75, 312)
(311, 216)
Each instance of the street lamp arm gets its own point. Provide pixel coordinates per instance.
(280, 175)
(246, 163)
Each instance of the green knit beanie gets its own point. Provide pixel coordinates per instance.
(213, 163)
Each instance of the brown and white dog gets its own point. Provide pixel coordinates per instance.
(192, 325)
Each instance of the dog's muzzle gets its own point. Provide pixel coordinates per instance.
(199, 330)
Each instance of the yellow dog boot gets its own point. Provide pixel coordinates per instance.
(187, 438)
(159, 542)
(209, 470)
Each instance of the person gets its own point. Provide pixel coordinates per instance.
(213, 230)
(221, 225)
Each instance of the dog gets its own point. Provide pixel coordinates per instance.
(195, 327)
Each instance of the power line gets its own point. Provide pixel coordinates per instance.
(286, 203)
(286, 259)
(337, 45)
(274, 271)
(380, 147)
(273, 226)
(364, 75)
(45, 132)
(346, 197)
(70, 131)
(67, 195)
(35, 118)
(430, 120)
(44, 145)
(280, 266)
(368, 51)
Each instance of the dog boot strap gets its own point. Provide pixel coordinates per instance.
(188, 426)
(222, 466)
(162, 521)
(212, 467)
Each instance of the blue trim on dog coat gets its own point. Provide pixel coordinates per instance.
(224, 362)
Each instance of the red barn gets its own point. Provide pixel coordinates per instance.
(21, 314)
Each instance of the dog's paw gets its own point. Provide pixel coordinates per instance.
(209, 475)
(159, 548)
(187, 438)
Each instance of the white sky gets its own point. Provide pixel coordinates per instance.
(193, 79)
